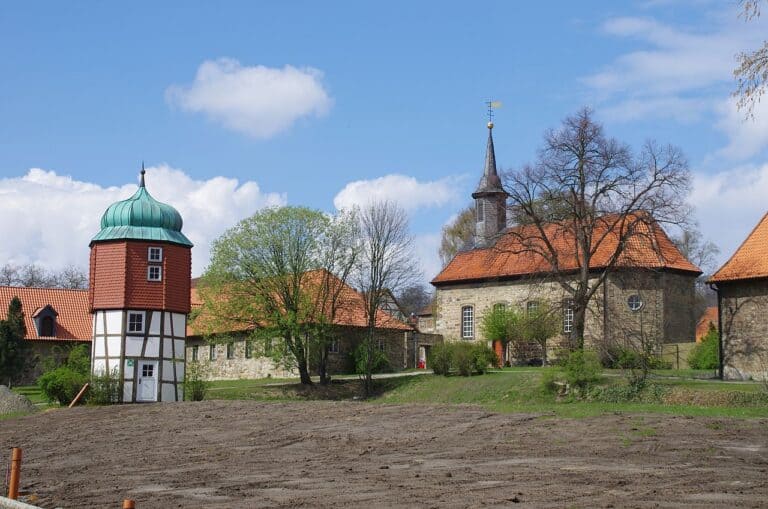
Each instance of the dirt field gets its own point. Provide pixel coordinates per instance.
(324, 454)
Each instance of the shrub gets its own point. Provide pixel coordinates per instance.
(61, 384)
(463, 358)
(482, 358)
(549, 380)
(705, 355)
(439, 359)
(104, 389)
(195, 384)
(380, 360)
(582, 369)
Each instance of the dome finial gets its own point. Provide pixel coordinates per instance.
(143, 171)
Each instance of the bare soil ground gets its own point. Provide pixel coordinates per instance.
(233, 454)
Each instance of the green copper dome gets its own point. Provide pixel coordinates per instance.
(141, 217)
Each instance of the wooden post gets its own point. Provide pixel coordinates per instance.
(13, 485)
(129, 504)
(79, 395)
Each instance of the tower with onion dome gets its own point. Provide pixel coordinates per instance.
(140, 274)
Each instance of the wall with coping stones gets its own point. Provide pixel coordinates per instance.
(258, 366)
(745, 329)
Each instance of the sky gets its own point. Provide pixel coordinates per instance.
(235, 106)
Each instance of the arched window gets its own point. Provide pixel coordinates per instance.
(47, 327)
(467, 322)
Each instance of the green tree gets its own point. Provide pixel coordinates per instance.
(14, 350)
(706, 355)
(541, 324)
(458, 236)
(502, 323)
(279, 273)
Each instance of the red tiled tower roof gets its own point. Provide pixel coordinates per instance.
(702, 326)
(73, 322)
(650, 248)
(750, 261)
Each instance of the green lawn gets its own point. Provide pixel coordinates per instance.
(34, 394)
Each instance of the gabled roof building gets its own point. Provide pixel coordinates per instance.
(648, 294)
(742, 298)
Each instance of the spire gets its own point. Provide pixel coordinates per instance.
(490, 181)
(143, 171)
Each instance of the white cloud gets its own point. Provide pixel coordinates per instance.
(406, 191)
(730, 203)
(746, 136)
(50, 219)
(426, 247)
(678, 74)
(258, 101)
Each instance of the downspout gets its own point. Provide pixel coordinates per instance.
(605, 312)
(713, 286)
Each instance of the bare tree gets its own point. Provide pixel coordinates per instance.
(699, 251)
(33, 275)
(414, 298)
(752, 71)
(612, 198)
(457, 236)
(385, 263)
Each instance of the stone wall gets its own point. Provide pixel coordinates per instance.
(340, 361)
(40, 350)
(743, 307)
(450, 299)
(666, 314)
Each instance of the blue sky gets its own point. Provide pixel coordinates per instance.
(238, 105)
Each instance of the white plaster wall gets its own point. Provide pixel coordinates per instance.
(98, 347)
(168, 393)
(98, 320)
(127, 391)
(153, 347)
(154, 323)
(179, 371)
(133, 346)
(99, 366)
(167, 348)
(167, 325)
(128, 370)
(114, 322)
(167, 371)
(114, 346)
(179, 325)
(179, 348)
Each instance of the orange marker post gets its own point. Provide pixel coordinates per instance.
(129, 504)
(13, 486)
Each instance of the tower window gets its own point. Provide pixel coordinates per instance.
(467, 322)
(212, 353)
(154, 273)
(194, 353)
(230, 351)
(135, 322)
(248, 348)
(532, 306)
(635, 302)
(155, 254)
(480, 210)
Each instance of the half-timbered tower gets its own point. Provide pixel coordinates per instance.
(140, 275)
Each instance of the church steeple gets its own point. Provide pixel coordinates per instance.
(490, 199)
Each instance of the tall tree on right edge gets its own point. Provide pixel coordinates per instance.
(752, 72)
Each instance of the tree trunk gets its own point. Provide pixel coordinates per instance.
(577, 335)
(322, 365)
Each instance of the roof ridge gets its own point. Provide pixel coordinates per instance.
(746, 239)
(45, 288)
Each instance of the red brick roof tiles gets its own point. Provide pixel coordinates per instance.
(650, 248)
(750, 261)
(73, 323)
(702, 326)
(350, 308)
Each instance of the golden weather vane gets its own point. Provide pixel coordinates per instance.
(492, 105)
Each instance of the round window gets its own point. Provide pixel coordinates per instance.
(634, 302)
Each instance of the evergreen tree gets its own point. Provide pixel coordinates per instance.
(13, 346)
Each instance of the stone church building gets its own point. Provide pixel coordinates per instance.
(742, 297)
(648, 296)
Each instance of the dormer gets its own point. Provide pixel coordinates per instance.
(45, 321)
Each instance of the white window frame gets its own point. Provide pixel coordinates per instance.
(640, 302)
(531, 306)
(155, 249)
(195, 353)
(382, 346)
(159, 273)
(212, 354)
(568, 316)
(248, 348)
(500, 306)
(143, 316)
(230, 351)
(334, 346)
(467, 322)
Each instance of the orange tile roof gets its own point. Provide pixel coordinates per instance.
(350, 308)
(750, 260)
(74, 322)
(702, 326)
(651, 248)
